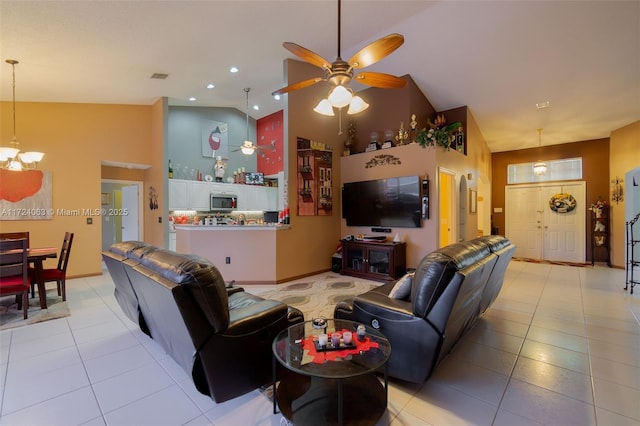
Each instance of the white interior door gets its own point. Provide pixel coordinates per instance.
(523, 220)
(130, 225)
(541, 233)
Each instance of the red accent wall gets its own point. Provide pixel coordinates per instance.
(270, 131)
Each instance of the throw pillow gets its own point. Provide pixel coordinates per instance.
(402, 289)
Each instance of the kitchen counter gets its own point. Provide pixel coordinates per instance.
(250, 227)
(246, 257)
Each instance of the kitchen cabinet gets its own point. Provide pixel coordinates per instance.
(198, 194)
(178, 195)
(194, 195)
(378, 261)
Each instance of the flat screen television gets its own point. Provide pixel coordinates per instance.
(391, 202)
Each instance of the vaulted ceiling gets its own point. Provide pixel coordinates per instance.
(498, 57)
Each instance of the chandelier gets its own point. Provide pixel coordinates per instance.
(539, 167)
(10, 157)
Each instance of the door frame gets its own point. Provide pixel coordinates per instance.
(140, 186)
(450, 198)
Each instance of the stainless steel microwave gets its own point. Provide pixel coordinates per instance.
(223, 202)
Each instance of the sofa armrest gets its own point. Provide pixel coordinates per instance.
(232, 290)
(254, 314)
(379, 304)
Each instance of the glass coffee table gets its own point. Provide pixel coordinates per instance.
(330, 385)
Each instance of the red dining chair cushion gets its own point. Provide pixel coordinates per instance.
(12, 284)
(52, 274)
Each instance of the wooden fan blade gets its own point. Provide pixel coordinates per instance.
(376, 51)
(296, 86)
(307, 55)
(380, 79)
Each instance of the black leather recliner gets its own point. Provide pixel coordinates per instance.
(221, 338)
(451, 288)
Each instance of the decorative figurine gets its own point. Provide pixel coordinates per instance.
(403, 135)
(219, 169)
(373, 145)
(414, 124)
(351, 139)
(388, 139)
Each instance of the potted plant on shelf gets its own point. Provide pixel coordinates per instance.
(439, 133)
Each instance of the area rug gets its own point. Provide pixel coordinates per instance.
(11, 317)
(319, 297)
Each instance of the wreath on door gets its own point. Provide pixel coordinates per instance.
(562, 203)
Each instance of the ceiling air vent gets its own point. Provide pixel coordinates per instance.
(159, 76)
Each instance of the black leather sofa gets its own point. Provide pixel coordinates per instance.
(220, 336)
(451, 288)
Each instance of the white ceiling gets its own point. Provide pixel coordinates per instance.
(500, 58)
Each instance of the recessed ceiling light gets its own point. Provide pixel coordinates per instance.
(234, 69)
(542, 105)
(276, 97)
(256, 107)
(210, 86)
(192, 99)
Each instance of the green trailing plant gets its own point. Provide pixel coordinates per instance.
(439, 133)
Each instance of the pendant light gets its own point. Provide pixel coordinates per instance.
(247, 147)
(540, 167)
(10, 157)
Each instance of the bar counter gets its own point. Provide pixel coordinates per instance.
(244, 253)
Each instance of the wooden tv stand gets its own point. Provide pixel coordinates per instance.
(378, 261)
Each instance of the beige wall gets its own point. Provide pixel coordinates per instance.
(75, 138)
(624, 156)
(307, 247)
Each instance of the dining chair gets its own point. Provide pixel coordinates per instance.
(14, 279)
(59, 274)
(15, 236)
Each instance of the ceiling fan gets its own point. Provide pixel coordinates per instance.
(248, 147)
(341, 72)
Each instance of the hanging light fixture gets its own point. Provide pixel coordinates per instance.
(10, 157)
(340, 97)
(539, 167)
(247, 147)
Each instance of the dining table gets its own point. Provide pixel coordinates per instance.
(37, 256)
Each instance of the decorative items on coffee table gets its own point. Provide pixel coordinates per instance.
(330, 373)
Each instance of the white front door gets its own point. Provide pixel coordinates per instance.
(523, 220)
(541, 233)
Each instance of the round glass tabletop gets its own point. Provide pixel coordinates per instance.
(298, 348)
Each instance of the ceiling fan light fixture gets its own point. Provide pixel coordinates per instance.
(324, 108)
(340, 97)
(357, 105)
(247, 148)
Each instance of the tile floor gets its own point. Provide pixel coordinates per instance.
(561, 346)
